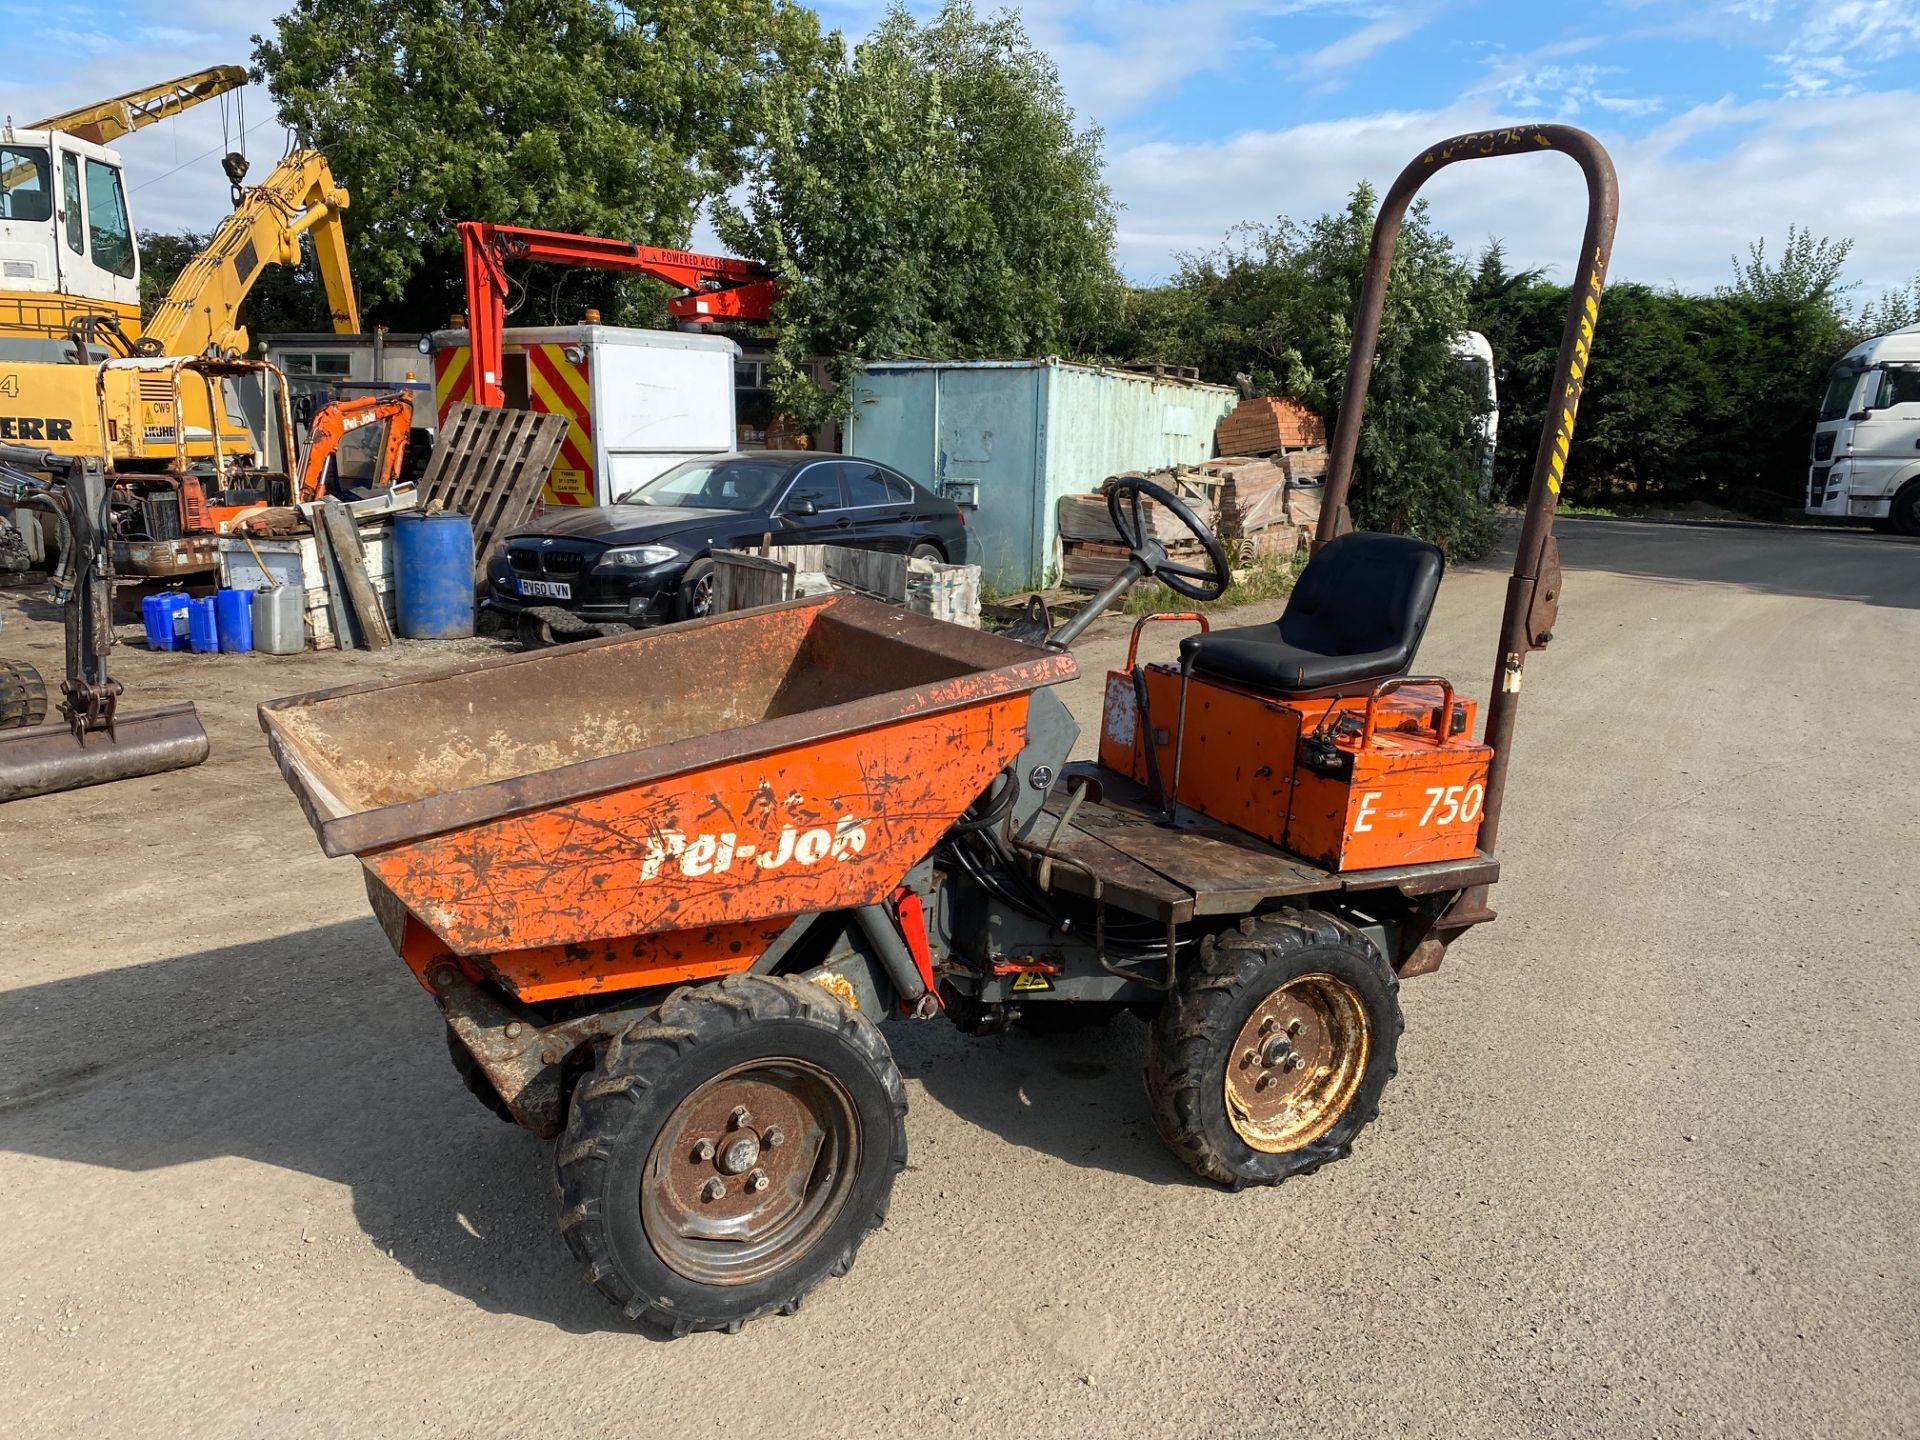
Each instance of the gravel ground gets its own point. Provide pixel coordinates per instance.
(1649, 1167)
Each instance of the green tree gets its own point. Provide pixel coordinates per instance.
(928, 195)
(1894, 310)
(1689, 398)
(1809, 268)
(586, 115)
(1271, 309)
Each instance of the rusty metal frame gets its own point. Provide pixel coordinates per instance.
(1533, 591)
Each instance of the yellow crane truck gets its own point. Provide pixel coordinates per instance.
(183, 423)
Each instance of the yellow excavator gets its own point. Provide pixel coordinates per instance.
(133, 436)
(183, 422)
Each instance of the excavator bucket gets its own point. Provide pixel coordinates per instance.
(47, 758)
(93, 741)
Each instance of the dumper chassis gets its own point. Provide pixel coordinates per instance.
(666, 887)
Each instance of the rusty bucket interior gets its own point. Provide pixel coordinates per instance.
(382, 763)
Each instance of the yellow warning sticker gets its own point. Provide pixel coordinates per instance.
(1028, 981)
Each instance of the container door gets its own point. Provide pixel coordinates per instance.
(987, 445)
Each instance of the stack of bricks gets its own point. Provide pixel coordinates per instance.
(1266, 425)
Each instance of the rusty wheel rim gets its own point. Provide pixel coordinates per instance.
(750, 1170)
(1297, 1063)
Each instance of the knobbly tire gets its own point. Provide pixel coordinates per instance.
(726, 1155)
(475, 1079)
(1273, 1050)
(23, 696)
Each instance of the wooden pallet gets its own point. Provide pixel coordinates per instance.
(491, 464)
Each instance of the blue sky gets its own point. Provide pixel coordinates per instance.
(1728, 119)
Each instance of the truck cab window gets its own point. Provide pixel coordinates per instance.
(1839, 396)
(70, 197)
(26, 183)
(111, 235)
(1897, 387)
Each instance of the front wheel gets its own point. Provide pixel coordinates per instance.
(1273, 1051)
(694, 599)
(1904, 514)
(728, 1154)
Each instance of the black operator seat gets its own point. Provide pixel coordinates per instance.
(1355, 618)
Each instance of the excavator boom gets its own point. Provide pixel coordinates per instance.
(105, 121)
(201, 312)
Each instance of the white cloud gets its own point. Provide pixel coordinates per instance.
(1563, 91)
(1683, 215)
(1359, 45)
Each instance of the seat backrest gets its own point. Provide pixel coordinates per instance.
(1365, 593)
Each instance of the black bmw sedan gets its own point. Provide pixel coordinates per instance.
(645, 558)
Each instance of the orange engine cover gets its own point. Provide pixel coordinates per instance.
(1304, 774)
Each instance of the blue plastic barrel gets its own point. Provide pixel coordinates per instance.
(156, 613)
(433, 575)
(235, 611)
(203, 626)
(165, 616)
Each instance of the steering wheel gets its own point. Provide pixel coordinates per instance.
(1124, 493)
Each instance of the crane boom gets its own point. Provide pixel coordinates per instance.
(201, 312)
(719, 287)
(105, 121)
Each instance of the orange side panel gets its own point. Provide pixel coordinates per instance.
(1408, 803)
(554, 972)
(835, 824)
(450, 384)
(559, 386)
(1411, 799)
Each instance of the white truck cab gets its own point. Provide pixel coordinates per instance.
(66, 242)
(1866, 446)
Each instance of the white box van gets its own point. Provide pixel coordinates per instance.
(637, 402)
(1866, 446)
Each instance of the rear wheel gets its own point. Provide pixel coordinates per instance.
(1272, 1053)
(23, 696)
(929, 552)
(694, 599)
(728, 1154)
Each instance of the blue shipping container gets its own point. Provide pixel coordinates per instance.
(1009, 438)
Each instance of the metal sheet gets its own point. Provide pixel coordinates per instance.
(1082, 859)
(1225, 878)
(1482, 869)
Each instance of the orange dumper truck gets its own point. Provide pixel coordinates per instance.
(667, 887)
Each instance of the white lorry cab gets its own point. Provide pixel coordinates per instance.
(1866, 446)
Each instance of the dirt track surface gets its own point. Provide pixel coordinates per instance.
(1649, 1168)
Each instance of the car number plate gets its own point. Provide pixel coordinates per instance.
(548, 589)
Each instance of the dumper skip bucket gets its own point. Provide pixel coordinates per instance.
(652, 807)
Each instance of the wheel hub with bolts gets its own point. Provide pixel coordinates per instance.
(746, 1171)
(1296, 1063)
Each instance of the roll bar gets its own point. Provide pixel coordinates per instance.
(1533, 592)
